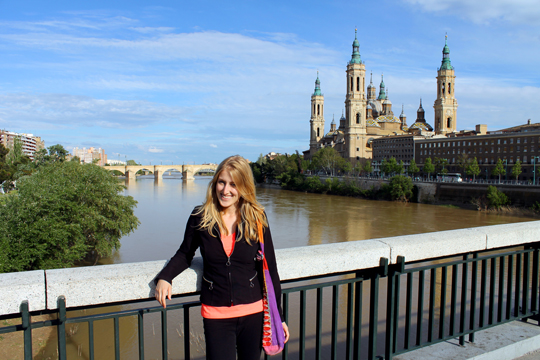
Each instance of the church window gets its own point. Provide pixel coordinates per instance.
(358, 83)
(449, 88)
(318, 132)
(351, 81)
(314, 109)
(357, 149)
(443, 88)
(318, 109)
(449, 122)
(358, 118)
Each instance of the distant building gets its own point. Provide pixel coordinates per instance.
(116, 162)
(510, 145)
(30, 143)
(369, 116)
(87, 156)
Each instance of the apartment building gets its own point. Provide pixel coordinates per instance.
(30, 143)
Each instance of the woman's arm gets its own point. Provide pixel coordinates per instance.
(179, 262)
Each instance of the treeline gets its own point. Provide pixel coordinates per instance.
(290, 171)
(57, 213)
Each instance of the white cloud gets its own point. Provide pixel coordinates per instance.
(155, 150)
(71, 110)
(481, 11)
(213, 145)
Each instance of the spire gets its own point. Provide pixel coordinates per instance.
(317, 86)
(402, 110)
(446, 65)
(370, 80)
(382, 92)
(355, 59)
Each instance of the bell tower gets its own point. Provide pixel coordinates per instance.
(446, 104)
(355, 105)
(316, 122)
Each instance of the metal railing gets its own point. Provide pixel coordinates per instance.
(364, 314)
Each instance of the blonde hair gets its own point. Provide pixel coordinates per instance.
(250, 211)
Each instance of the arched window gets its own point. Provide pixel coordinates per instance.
(318, 109)
(313, 109)
(449, 122)
(449, 88)
(351, 81)
(443, 88)
(318, 132)
(358, 83)
(358, 118)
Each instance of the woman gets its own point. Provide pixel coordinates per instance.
(225, 228)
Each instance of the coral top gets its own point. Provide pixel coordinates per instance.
(227, 312)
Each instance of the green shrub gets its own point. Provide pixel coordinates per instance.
(401, 188)
(496, 198)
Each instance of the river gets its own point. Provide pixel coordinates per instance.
(296, 218)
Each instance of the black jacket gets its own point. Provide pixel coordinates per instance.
(227, 281)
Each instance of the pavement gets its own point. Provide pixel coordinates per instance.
(515, 340)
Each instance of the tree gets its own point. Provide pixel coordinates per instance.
(57, 152)
(473, 169)
(390, 166)
(413, 168)
(132, 162)
(400, 168)
(328, 160)
(428, 167)
(61, 214)
(367, 168)
(496, 198)
(499, 169)
(440, 165)
(401, 188)
(462, 161)
(516, 169)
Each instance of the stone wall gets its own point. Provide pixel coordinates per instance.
(122, 282)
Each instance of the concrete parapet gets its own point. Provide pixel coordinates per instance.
(17, 287)
(123, 282)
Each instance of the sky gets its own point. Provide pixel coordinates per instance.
(186, 82)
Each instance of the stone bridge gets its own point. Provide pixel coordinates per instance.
(188, 171)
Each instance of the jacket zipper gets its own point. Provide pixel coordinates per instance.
(210, 282)
(228, 263)
(251, 280)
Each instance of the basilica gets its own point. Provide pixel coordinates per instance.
(369, 116)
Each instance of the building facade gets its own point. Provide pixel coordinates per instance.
(88, 156)
(30, 143)
(369, 116)
(519, 143)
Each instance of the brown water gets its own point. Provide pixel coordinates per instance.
(296, 219)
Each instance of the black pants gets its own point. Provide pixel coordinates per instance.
(226, 337)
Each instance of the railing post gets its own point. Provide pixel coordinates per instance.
(27, 329)
(374, 307)
(391, 301)
(61, 328)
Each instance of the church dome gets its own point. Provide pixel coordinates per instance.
(387, 102)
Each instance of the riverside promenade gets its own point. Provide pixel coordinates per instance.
(405, 297)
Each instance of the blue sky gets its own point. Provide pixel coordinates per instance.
(196, 81)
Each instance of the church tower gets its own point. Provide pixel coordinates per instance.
(355, 105)
(446, 104)
(316, 122)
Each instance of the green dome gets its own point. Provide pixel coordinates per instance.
(355, 59)
(317, 86)
(446, 65)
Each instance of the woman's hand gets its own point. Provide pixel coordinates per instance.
(163, 292)
(286, 331)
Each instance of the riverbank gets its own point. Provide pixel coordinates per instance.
(512, 200)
